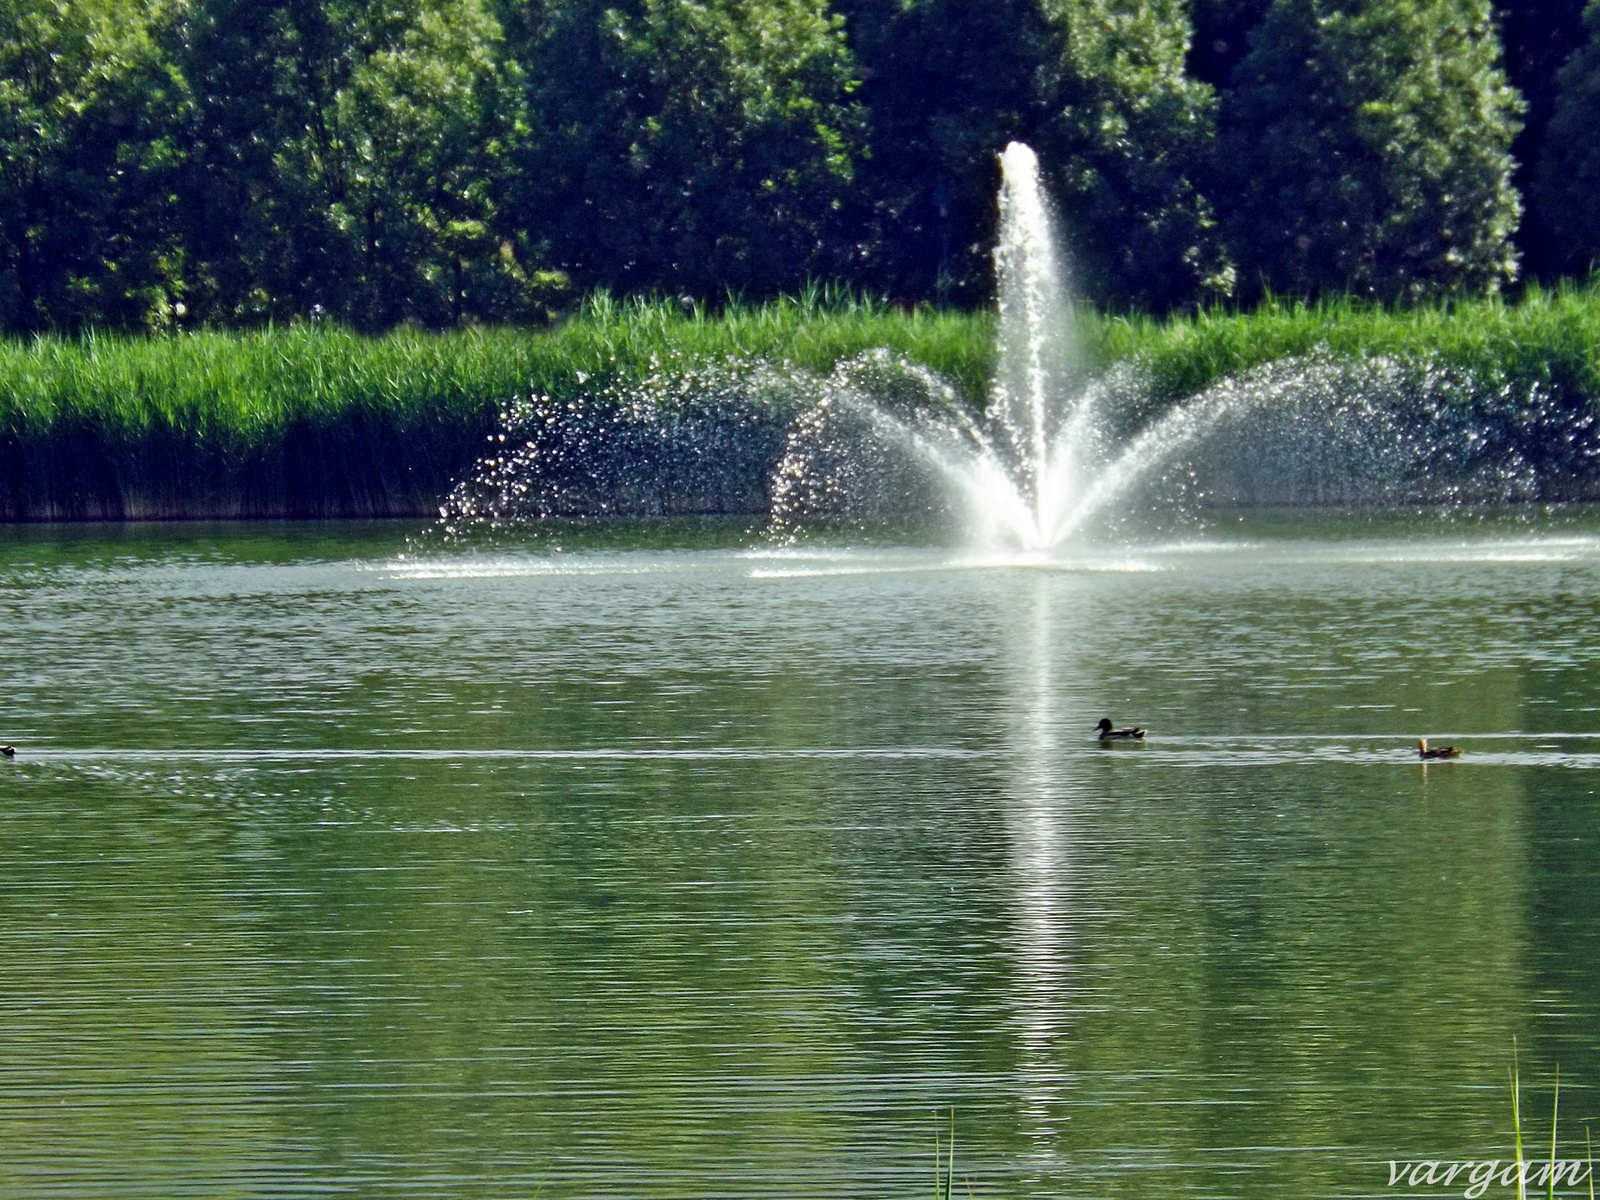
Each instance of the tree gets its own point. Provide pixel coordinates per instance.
(1097, 87)
(89, 111)
(348, 159)
(1222, 30)
(1569, 169)
(401, 166)
(1366, 148)
(946, 84)
(685, 145)
(1539, 37)
(1131, 140)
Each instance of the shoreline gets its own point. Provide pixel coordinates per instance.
(315, 422)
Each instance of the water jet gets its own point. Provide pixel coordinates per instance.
(1060, 454)
(1041, 464)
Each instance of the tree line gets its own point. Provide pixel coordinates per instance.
(166, 163)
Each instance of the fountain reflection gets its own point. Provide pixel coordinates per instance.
(1041, 836)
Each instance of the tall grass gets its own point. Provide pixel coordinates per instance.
(944, 1171)
(1548, 336)
(1521, 1164)
(314, 420)
(242, 387)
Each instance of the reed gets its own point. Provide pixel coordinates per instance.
(944, 1162)
(313, 420)
(1521, 1164)
(1548, 337)
(1516, 1124)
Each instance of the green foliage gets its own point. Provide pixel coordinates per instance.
(946, 84)
(1097, 86)
(395, 166)
(1131, 138)
(242, 389)
(1538, 37)
(359, 141)
(225, 163)
(1550, 339)
(685, 145)
(313, 420)
(1366, 144)
(1569, 169)
(88, 111)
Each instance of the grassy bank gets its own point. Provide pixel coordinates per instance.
(314, 421)
(1546, 338)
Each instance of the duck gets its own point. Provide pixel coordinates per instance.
(1107, 733)
(1437, 752)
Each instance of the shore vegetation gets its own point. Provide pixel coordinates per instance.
(312, 419)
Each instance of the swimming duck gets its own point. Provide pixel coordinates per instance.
(1437, 751)
(8, 751)
(1107, 733)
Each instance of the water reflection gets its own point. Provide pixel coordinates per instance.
(1038, 825)
(676, 881)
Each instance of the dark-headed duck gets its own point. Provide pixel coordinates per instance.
(1131, 732)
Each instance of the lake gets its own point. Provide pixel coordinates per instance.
(653, 860)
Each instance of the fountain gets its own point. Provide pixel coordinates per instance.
(1039, 466)
(1056, 455)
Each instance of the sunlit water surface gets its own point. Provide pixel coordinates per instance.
(672, 864)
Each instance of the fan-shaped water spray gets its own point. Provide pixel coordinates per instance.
(1038, 465)
(1057, 453)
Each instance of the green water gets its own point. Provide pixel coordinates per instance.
(669, 864)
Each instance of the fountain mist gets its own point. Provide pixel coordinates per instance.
(1038, 466)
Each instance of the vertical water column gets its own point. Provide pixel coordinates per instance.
(1038, 354)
